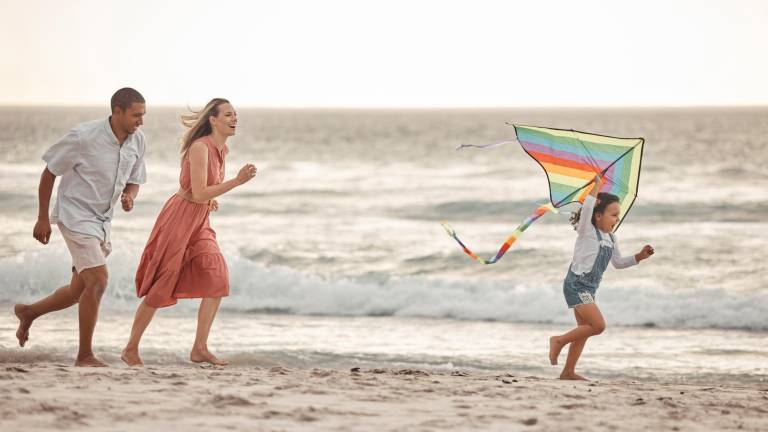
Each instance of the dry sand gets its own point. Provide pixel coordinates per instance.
(49, 396)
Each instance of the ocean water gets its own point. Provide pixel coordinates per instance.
(340, 233)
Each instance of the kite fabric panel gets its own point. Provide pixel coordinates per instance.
(570, 160)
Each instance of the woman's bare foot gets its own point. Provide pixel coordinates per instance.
(572, 377)
(22, 333)
(203, 356)
(554, 350)
(89, 360)
(131, 357)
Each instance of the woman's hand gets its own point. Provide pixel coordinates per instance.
(246, 173)
(645, 253)
(213, 205)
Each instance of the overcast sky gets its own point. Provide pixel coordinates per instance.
(328, 53)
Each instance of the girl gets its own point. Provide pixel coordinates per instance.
(182, 258)
(595, 246)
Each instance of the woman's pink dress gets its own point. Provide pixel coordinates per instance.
(182, 258)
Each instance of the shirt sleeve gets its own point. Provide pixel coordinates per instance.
(585, 218)
(63, 156)
(139, 170)
(618, 261)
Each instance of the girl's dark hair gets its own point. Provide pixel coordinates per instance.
(604, 199)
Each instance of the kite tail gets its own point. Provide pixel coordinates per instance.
(539, 212)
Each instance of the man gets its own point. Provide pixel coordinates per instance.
(98, 162)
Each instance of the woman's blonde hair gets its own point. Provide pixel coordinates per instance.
(199, 124)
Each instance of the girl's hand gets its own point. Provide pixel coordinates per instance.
(213, 205)
(598, 182)
(645, 253)
(246, 173)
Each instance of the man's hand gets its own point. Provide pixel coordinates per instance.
(127, 201)
(42, 231)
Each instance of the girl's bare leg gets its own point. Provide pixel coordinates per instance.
(130, 354)
(574, 352)
(208, 308)
(594, 325)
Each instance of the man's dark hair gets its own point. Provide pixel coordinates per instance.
(124, 97)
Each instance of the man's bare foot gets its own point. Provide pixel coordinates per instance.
(572, 377)
(22, 333)
(89, 360)
(203, 356)
(554, 350)
(131, 357)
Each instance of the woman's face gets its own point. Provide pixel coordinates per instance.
(226, 122)
(609, 218)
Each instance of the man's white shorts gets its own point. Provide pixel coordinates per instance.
(87, 251)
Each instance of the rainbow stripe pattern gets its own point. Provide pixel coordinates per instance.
(571, 159)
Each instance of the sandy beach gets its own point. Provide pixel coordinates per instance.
(48, 396)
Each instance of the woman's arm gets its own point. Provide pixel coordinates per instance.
(198, 165)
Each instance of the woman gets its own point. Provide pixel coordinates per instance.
(181, 258)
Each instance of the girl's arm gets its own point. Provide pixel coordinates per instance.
(588, 207)
(198, 165)
(621, 262)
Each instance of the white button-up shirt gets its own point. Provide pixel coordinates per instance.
(94, 170)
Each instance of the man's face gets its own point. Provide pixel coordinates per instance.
(130, 119)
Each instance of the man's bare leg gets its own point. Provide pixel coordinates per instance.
(95, 281)
(205, 316)
(62, 298)
(130, 354)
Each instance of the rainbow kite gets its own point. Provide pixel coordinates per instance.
(571, 159)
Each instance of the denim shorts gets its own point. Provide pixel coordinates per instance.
(578, 289)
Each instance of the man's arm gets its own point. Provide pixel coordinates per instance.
(130, 192)
(42, 230)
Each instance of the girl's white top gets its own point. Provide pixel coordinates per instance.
(587, 245)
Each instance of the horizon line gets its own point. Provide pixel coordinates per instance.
(407, 107)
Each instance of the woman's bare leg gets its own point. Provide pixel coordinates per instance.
(208, 308)
(130, 354)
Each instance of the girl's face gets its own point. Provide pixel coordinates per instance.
(609, 218)
(226, 122)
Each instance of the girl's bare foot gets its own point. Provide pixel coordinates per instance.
(572, 377)
(89, 360)
(554, 350)
(203, 355)
(22, 333)
(131, 357)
